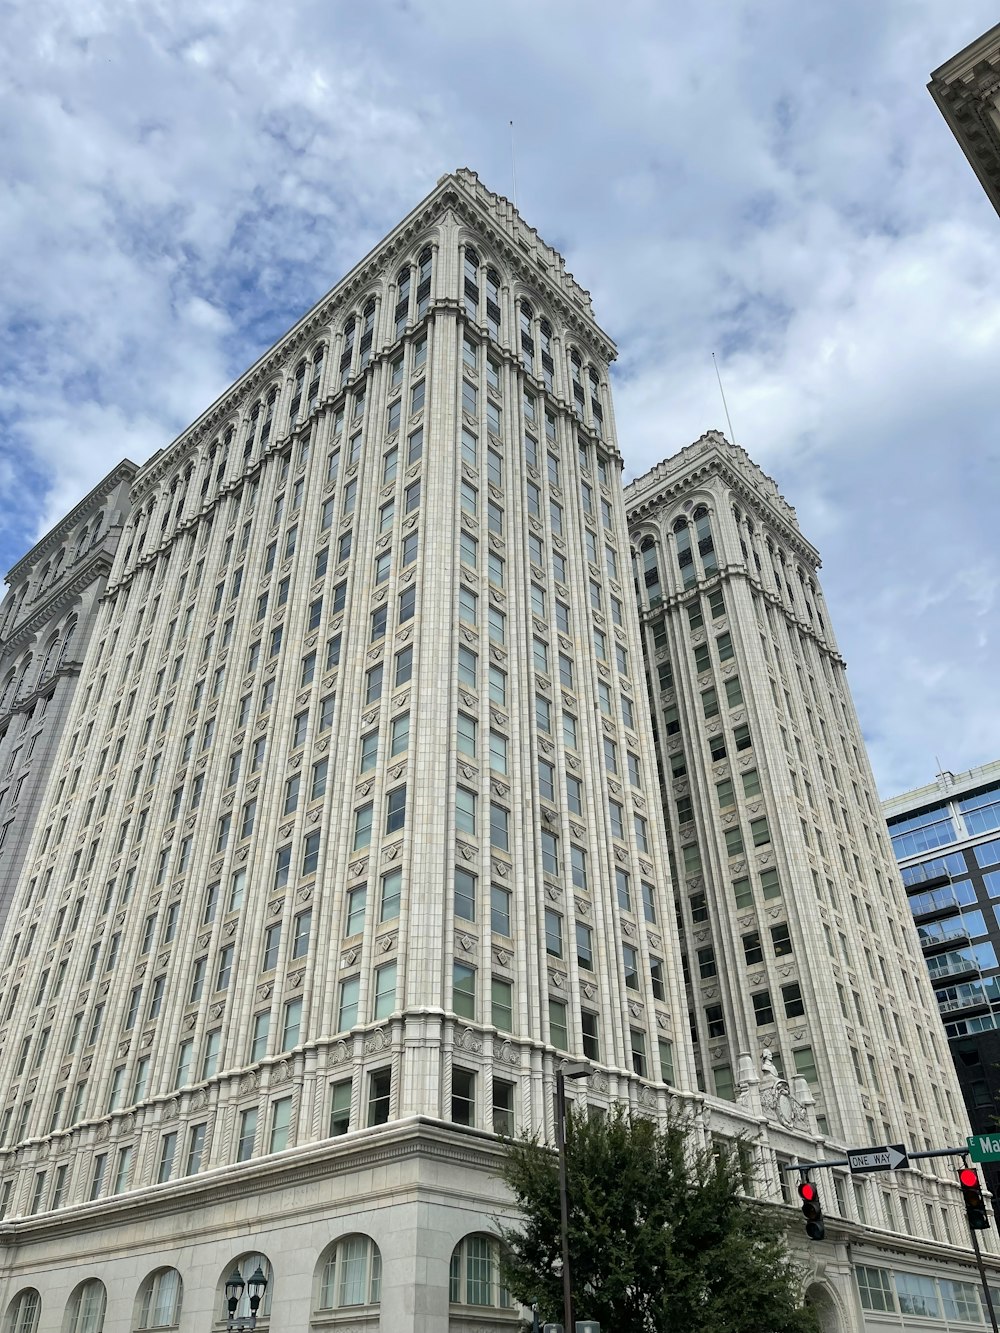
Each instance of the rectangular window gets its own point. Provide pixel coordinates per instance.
(291, 1025)
(395, 809)
(350, 990)
(392, 886)
(499, 835)
(502, 1004)
(463, 1096)
(558, 1025)
(340, 1107)
(463, 991)
(379, 1096)
(499, 910)
(553, 933)
(247, 1134)
(385, 991)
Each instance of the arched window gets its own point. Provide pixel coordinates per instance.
(96, 530)
(347, 356)
(525, 323)
(424, 263)
(706, 546)
(470, 283)
(81, 542)
(650, 571)
(23, 676)
(85, 1312)
(298, 387)
(685, 556)
(265, 430)
(350, 1274)
(367, 333)
(474, 1276)
(402, 300)
(316, 375)
(251, 431)
(545, 345)
(576, 377)
(246, 1265)
(68, 641)
(23, 1312)
(596, 410)
(7, 693)
(493, 303)
(159, 1302)
(48, 660)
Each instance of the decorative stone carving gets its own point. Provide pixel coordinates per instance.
(376, 1041)
(467, 1040)
(504, 1052)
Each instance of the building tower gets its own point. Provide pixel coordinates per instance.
(796, 936)
(946, 837)
(46, 623)
(357, 821)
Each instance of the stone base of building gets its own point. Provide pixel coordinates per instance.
(405, 1212)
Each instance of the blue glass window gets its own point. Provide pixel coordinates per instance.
(988, 853)
(921, 833)
(982, 811)
(952, 866)
(960, 894)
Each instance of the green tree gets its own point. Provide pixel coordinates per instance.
(660, 1239)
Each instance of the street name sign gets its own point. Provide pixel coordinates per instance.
(891, 1157)
(984, 1147)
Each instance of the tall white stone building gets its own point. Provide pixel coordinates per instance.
(356, 833)
(796, 936)
(46, 622)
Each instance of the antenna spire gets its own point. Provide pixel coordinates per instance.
(513, 171)
(722, 391)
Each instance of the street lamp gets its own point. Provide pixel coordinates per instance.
(256, 1287)
(569, 1069)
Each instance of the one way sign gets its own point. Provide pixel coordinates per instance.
(892, 1157)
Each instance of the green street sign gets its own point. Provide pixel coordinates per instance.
(984, 1147)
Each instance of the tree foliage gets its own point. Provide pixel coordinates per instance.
(660, 1240)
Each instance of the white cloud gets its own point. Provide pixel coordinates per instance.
(771, 182)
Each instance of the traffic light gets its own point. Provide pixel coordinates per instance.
(812, 1210)
(972, 1197)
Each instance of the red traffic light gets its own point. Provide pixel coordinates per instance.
(968, 1177)
(807, 1191)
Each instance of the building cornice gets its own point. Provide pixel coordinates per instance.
(516, 244)
(966, 89)
(96, 564)
(713, 456)
(123, 471)
(397, 1142)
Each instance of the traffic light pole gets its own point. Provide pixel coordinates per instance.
(983, 1279)
(805, 1167)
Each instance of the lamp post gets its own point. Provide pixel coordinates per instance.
(569, 1069)
(256, 1286)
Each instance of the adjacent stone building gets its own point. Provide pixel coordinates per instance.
(356, 834)
(46, 623)
(967, 91)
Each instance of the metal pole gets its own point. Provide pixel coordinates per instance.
(982, 1277)
(564, 1200)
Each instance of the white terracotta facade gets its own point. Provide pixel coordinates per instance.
(356, 833)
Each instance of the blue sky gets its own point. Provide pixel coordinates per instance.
(768, 180)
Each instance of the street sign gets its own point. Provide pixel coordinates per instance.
(891, 1157)
(984, 1147)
